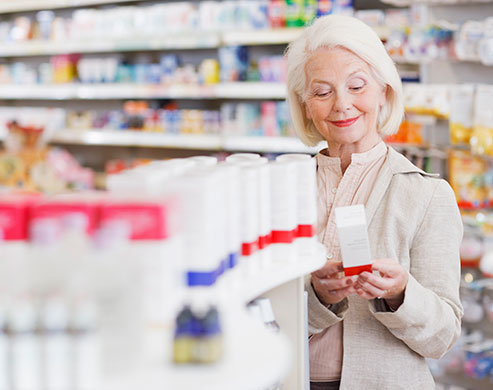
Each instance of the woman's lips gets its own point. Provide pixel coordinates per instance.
(345, 123)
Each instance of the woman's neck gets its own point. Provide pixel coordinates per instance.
(345, 151)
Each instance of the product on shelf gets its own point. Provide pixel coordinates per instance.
(26, 163)
(266, 118)
(64, 68)
(482, 135)
(471, 250)
(409, 133)
(429, 99)
(466, 176)
(233, 61)
(461, 113)
(233, 65)
(198, 336)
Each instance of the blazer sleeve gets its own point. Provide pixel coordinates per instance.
(429, 319)
(319, 316)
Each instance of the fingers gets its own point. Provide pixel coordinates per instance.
(332, 290)
(330, 268)
(389, 285)
(375, 281)
(386, 267)
(339, 295)
(368, 290)
(336, 284)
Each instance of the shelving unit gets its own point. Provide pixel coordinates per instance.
(192, 141)
(237, 90)
(69, 95)
(185, 40)
(8, 6)
(243, 367)
(458, 72)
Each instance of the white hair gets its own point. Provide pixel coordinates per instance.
(351, 34)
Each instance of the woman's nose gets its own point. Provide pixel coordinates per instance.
(342, 102)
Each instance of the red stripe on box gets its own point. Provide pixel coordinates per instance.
(283, 236)
(305, 231)
(264, 241)
(350, 271)
(469, 263)
(248, 248)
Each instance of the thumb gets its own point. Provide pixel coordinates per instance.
(330, 268)
(386, 267)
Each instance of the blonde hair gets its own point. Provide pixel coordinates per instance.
(354, 35)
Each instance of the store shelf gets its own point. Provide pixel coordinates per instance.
(249, 348)
(269, 144)
(261, 37)
(184, 40)
(240, 90)
(250, 90)
(464, 381)
(279, 271)
(137, 138)
(183, 141)
(253, 360)
(171, 41)
(7, 6)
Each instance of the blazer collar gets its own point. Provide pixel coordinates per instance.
(395, 164)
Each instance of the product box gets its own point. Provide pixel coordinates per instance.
(353, 238)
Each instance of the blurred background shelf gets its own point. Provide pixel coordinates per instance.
(136, 138)
(234, 90)
(183, 141)
(188, 40)
(7, 6)
(171, 41)
(464, 381)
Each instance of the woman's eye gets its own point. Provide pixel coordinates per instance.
(356, 86)
(322, 93)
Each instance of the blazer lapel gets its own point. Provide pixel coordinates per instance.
(396, 164)
(379, 189)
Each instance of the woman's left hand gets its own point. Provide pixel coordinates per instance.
(390, 284)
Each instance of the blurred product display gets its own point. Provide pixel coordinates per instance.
(28, 164)
(190, 236)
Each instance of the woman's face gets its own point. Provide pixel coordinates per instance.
(343, 98)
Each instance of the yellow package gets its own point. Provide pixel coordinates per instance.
(482, 135)
(466, 176)
(461, 113)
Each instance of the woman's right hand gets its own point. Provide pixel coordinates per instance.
(330, 285)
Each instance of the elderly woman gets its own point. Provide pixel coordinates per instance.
(372, 331)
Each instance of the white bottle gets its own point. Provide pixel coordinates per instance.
(57, 367)
(4, 350)
(284, 210)
(306, 189)
(86, 345)
(25, 345)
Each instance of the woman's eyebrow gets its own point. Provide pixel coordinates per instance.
(356, 71)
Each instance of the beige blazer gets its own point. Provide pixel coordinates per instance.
(413, 218)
